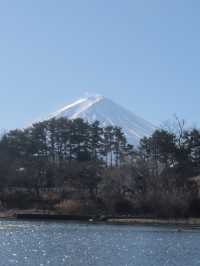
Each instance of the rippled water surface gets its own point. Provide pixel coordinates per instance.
(56, 243)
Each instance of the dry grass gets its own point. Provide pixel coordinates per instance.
(69, 206)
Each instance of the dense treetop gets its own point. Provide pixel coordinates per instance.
(99, 162)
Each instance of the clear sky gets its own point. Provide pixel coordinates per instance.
(143, 54)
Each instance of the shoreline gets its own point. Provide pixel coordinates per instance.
(46, 215)
(190, 222)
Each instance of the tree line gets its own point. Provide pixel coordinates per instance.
(89, 163)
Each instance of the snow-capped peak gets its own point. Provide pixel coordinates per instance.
(97, 107)
(80, 106)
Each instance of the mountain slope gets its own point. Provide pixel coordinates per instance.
(107, 113)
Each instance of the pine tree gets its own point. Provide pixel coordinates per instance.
(95, 137)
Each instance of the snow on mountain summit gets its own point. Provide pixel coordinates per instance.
(74, 110)
(107, 112)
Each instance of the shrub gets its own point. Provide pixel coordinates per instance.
(194, 208)
(123, 206)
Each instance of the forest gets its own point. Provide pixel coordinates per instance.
(73, 167)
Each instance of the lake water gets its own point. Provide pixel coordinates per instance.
(72, 244)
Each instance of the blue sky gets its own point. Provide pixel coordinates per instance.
(143, 54)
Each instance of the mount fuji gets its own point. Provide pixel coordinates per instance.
(107, 112)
